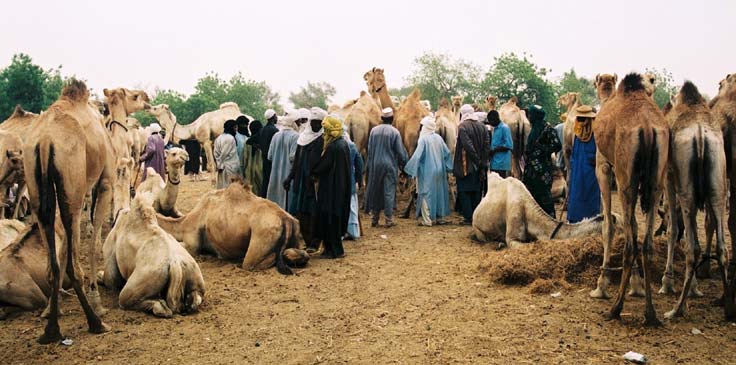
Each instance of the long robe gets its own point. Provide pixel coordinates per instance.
(242, 139)
(226, 160)
(356, 175)
(281, 154)
(386, 154)
(264, 143)
(585, 194)
(193, 150)
(333, 196)
(153, 156)
(540, 146)
(430, 164)
(253, 168)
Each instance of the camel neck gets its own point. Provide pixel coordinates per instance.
(118, 113)
(384, 98)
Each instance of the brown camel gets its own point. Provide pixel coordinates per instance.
(696, 179)
(152, 271)
(447, 125)
(11, 169)
(376, 82)
(457, 102)
(723, 108)
(234, 223)
(491, 102)
(407, 118)
(605, 86)
(362, 117)
(520, 127)
(166, 193)
(632, 138)
(69, 156)
(569, 101)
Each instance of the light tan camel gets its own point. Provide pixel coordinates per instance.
(20, 122)
(24, 284)
(361, 119)
(570, 101)
(407, 118)
(520, 127)
(65, 159)
(234, 223)
(376, 82)
(723, 109)
(457, 102)
(204, 129)
(632, 140)
(447, 125)
(166, 193)
(509, 214)
(696, 179)
(11, 169)
(490, 102)
(152, 271)
(605, 86)
(342, 111)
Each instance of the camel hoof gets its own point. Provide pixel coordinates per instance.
(675, 313)
(652, 321)
(612, 316)
(50, 337)
(667, 290)
(161, 310)
(637, 289)
(695, 292)
(599, 293)
(101, 328)
(100, 310)
(100, 276)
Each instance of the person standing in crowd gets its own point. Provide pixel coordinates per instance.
(281, 154)
(264, 142)
(167, 144)
(356, 180)
(303, 205)
(303, 121)
(226, 155)
(540, 146)
(471, 162)
(241, 137)
(386, 155)
(501, 145)
(430, 164)
(252, 160)
(153, 154)
(560, 156)
(191, 167)
(332, 173)
(585, 195)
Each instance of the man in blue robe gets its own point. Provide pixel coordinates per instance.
(501, 145)
(585, 195)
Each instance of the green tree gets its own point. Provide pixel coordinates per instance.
(571, 82)
(512, 75)
(664, 86)
(314, 94)
(440, 76)
(28, 85)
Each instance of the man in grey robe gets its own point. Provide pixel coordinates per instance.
(281, 154)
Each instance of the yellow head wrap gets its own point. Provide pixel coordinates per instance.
(333, 130)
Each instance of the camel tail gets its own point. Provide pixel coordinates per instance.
(176, 286)
(47, 180)
(287, 239)
(644, 173)
(698, 174)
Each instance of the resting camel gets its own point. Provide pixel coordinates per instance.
(24, 284)
(165, 193)
(632, 138)
(152, 271)
(204, 129)
(233, 223)
(510, 215)
(520, 127)
(69, 156)
(362, 117)
(696, 179)
(723, 109)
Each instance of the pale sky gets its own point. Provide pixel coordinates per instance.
(170, 44)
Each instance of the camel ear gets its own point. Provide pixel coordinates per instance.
(106, 92)
(8, 154)
(597, 79)
(615, 79)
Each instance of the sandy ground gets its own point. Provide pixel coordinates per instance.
(406, 294)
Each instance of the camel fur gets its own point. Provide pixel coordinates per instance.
(150, 268)
(233, 223)
(361, 118)
(166, 193)
(520, 127)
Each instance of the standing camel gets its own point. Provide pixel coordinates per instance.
(570, 101)
(376, 82)
(362, 117)
(632, 140)
(69, 156)
(520, 127)
(696, 179)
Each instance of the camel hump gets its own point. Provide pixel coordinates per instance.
(18, 112)
(75, 90)
(631, 83)
(690, 95)
(229, 104)
(514, 100)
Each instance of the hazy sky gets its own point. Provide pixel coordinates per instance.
(170, 44)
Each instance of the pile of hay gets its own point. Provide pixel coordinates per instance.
(553, 264)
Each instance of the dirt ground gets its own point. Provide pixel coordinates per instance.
(406, 294)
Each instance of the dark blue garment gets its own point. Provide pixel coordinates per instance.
(585, 194)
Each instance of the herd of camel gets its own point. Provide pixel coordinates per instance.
(79, 154)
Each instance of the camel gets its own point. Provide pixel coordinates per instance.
(407, 118)
(520, 127)
(632, 138)
(234, 223)
(457, 102)
(605, 86)
(11, 169)
(447, 125)
(362, 117)
(570, 101)
(71, 155)
(376, 82)
(696, 179)
(490, 102)
(510, 215)
(20, 122)
(426, 104)
(24, 284)
(152, 271)
(342, 111)
(165, 194)
(723, 109)
(204, 129)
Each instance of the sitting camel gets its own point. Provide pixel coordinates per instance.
(150, 268)
(520, 127)
(233, 222)
(11, 169)
(510, 215)
(24, 283)
(165, 194)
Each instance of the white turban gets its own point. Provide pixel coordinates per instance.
(467, 113)
(269, 114)
(304, 113)
(155, 128)
(482, 117)
(428, 125)
(387, 112)
(286, 121)
(317, 113)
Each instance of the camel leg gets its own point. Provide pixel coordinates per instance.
(261, 255)
(412, 200)
(102, 210)
(144, 284)
(668, 278)
(207, 146)
(19, 200)
(111, 277)
(650, 315)
(630, 249)
(710, 228)
(52, 333)
(693, 255)
(603, 174)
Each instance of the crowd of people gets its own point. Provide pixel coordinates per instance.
(306, 163)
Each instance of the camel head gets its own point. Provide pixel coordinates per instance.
(727, 86)
(649, 81)
(568, 100)
(604, 85)
(163, 114)
(457, 101)
(375, 80)
(130, 101)
(395, 100)
(491, 102)
(11, 170)
(175, 158)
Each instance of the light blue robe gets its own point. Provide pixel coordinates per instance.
(430, 164)
(281, 154)
(240, 139)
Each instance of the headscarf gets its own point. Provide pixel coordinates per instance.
(467, 113)
(269, 114)
(242, 122)
(287, 121)
(536, 118)
(584, 123)
(255, 129)
(307, 135)
(493, 118)
(332, 131)
(317, 113)
(428, 126)
(303, 113)
(155, 128)
(229, 128)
